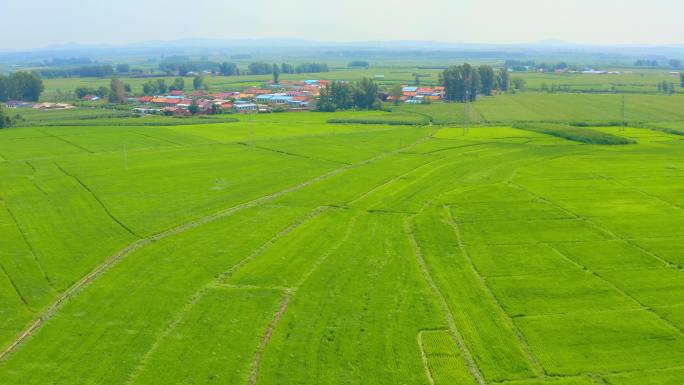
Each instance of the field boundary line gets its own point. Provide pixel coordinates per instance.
(468, 358)
(391, 180)
(642, 192)
(30, 246)
(138, 244)
(619, 290)
(522, 341)
(448, 161)
(266, 338)
(424, 356)
(155, 138)
(289, 293)
(50, 135)
(198, 295)
(104, 207)
(597, 227)
(16, 289)
(292, 154)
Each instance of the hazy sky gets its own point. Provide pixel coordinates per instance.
(39, 23)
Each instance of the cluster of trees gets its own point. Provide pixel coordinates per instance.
(343, 96)
(198, 83)
(90, 71)
(518, 83)
(5, 120)
(463, 83)
(666, 88)
(81, 92)
(117, 91)
(21, 86)
(182, 65)
(123, 68)
(261, 68)
(155, 87)
(673, 63)
(646, 63)
(311, 68)
(229, 69)
(681, 79)
(159, 86)
(527, 65)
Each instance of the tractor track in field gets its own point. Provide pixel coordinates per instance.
(428, 372)
(99, 201)
(522, 341)
(614, 236)
(30, 246)
(197, 296)
(73, 291)
(289, 293)
(468, 357)
(266, 338)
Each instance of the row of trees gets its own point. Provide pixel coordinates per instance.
(666, 88)
(526, 65)
(20, 86)
(159, 86)
(261, 68)
(343, 96)
(672, 63)
(90, 71)
(463, 83)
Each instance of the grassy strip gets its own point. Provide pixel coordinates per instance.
(128, 121)
(576, 134)
(667, 130)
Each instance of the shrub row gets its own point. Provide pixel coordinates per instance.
(577, 134)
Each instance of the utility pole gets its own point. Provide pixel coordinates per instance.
(624, 120)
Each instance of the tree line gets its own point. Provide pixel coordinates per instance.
(527, 65)
(262, 68)
(21, 86)
(343, 96)
(463, 83)
(667, 88)
(672, 63)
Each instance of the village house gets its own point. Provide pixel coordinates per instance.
(245, 107)
(18, 104)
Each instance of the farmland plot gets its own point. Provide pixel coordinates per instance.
(284, 250)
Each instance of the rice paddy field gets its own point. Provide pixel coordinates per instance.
(284, 249)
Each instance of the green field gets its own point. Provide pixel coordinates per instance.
(284, 249)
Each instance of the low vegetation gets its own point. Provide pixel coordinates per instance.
(577, 134)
